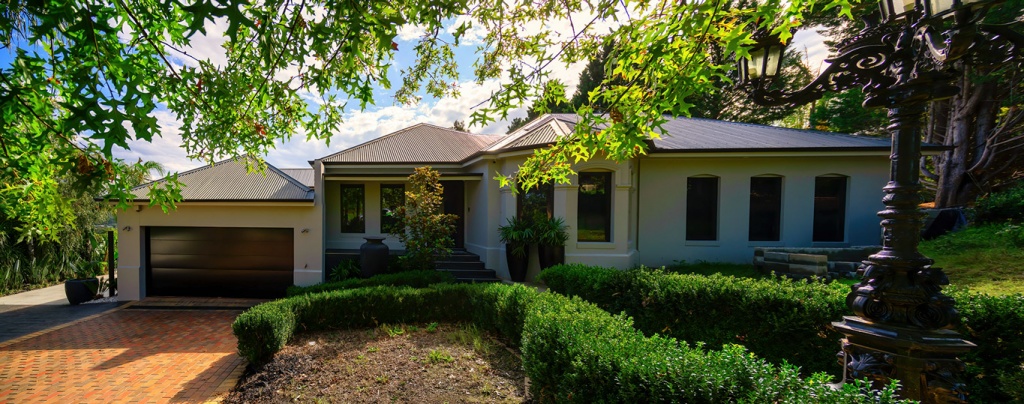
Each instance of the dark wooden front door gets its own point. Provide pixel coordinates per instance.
(455, 203)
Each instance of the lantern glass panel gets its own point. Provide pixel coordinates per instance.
(937, 7)
(774, 62)
(756, 63)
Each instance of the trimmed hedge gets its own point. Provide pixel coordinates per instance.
(416, 279)
(779, 320)
(782, 320)
(572, 350)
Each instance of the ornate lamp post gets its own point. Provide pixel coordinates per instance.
(905, 58)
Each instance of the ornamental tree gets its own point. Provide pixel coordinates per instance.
(87, 75)
(424, 228)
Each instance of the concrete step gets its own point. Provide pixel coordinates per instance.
(458, 265)
(475, 280)
(471, 273)
(461, 257)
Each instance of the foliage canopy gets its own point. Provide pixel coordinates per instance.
(88, 75)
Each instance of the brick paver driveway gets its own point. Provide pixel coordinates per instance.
(129, 355)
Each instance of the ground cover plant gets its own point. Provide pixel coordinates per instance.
(390, 363)
(572, 350)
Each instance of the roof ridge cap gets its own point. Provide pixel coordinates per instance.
(286, 177)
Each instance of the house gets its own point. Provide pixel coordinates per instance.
(709, 190)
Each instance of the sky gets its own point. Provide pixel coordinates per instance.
(384, 117)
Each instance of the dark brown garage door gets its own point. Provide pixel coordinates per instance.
(218, 261)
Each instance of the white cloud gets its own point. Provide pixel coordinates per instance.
(811, 46)
(410, 32)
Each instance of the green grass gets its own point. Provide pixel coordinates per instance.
(985, 258)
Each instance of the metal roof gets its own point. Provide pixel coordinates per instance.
(696, 134)
(302, 175)
(229, 180)
(420, 143)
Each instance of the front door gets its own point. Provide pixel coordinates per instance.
(455, 203)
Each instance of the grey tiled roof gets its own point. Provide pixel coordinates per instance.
(420, 143)
(228, 180)
(302, 175)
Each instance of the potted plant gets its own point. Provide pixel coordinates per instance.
(81, 290)
(517, 236)
(551, 239)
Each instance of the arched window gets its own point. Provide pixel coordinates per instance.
(830, 208)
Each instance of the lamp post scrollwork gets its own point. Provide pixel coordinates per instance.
(907, 56)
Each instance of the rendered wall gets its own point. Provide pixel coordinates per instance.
(303, 219)
(662, 204)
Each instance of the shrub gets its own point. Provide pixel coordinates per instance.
(347, 268)
(416, 279)
(572, 350)
(999, 207)
(777, 319)
(996, 325)
(424, 229)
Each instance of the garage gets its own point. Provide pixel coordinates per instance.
(219, 261)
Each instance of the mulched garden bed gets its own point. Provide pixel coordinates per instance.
(391, 363)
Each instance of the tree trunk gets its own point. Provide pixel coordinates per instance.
(980, 133)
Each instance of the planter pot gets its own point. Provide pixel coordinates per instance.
(373, 256)
(81, 290)
(517, 264)
(550, 255)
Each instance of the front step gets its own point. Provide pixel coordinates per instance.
(466, 267)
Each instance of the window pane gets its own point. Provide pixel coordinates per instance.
(829, 208)
(702, 208)
(353, 208)
(536, 203)
(594, 206)
(391, 197)
(765, 208)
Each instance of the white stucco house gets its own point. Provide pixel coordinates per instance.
(708, 190)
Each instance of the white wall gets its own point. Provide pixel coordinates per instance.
(308, 249)
(662, 203)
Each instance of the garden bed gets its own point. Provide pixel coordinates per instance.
(392, 363)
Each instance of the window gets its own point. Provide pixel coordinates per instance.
(353, 208)
(391, 197)
(829, 208)
(594, 207)
(702, 208)
(536, 203)
(765, 208)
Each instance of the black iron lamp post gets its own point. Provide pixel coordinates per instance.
(907, 56)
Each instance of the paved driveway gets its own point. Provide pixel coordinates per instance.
(127, 355)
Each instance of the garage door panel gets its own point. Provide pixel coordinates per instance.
(259, 263)
(221, 233)
(221, 283)
(214, 261)
(230, 248)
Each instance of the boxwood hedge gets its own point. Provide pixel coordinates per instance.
(783, 320)
(416, 279)
(572, 350)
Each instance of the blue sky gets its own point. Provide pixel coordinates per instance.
(380, 119)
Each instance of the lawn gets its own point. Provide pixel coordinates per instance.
(984, 258)
(391, 363)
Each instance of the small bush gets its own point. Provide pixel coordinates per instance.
(346, 269)
(996, 325)
(264, 329)
(999, 207)
(416, 279)
(777, 319)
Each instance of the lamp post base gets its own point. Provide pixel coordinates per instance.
(924, 361)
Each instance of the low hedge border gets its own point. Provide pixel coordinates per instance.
(782, 320)
(416, 279)
(572, 350)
